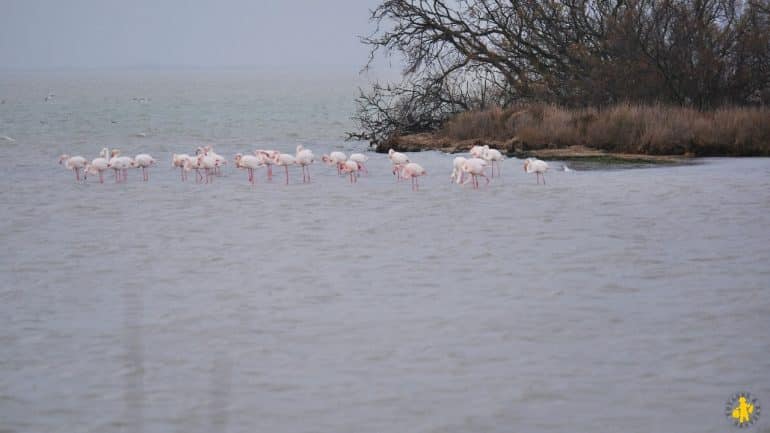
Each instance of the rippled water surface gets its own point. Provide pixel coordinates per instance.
(608, 300)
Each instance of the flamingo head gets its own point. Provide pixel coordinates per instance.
(63, 158)
(526, 165)
(300, 148)
(114, 153)
(390, 152)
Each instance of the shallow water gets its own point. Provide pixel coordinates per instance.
(608, 300)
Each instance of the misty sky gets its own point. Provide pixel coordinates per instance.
(51, 34)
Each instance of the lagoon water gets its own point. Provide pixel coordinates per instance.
(610, 300)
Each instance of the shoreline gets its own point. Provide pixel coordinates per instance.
(512, 148)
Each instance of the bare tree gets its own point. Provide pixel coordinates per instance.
(467, 54)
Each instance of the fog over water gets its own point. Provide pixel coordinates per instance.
(609, 300)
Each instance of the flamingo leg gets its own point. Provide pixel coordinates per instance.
(287, 173)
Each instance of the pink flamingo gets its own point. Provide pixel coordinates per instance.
(304, 158)
(539, 167)
(412, 171)
(75, 163)
(179, 160)
(144, 161)
(360, 159)
(351, 167)
(250, 163)
(475, 167)
(336, 159)
(398, 160)
(285, 160)
(97, 166)
(457, 170)
(266, 158)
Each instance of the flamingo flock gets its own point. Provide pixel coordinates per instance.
(483, 162)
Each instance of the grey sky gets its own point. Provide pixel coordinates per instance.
(135, 33)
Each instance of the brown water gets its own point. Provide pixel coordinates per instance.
(608, 300)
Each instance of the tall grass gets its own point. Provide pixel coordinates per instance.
(624, 128)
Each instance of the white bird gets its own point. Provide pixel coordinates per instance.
(97, 166)
(457, 169)
(475, 167)
(179, 160)
(75, 163)
(250, 163)
(398, 160)
(360, 159)
(304, 157)
(477, 151)
(208, 163)
(120, 164)
(284, 160)
(534, 165)
(336, 158)
(144, 161)
(208, 150)
(350, 167)
(112, 162)
(412, 170)
(492, 156)
(266, 158)
(192, 163)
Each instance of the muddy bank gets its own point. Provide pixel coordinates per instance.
(515, 148)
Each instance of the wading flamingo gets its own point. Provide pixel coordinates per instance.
(412, 171)
(350, 167)
(144, 161)
(304, 157)
(539, 167)
(360, 159)
(493, 157)
(285, 160)
(75, 163)
(398, 160)
(457, 170)
(179, 160)
(475, 167)
(248, 162)
(335, 158)
(97, 166)
(266, 158)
